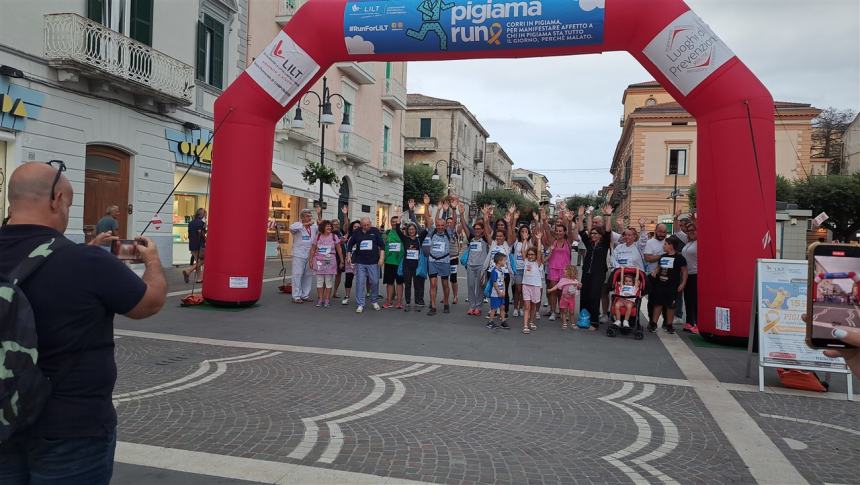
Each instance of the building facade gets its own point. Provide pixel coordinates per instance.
(532, 185)
(497, 167)
(851, 147)
(122, 91)
(658, 135)
(440, 132)
(368, 160)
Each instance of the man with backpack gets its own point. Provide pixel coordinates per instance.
(437, 249)
(56, 327)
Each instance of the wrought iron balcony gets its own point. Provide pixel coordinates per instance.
(394, 94)
(414, 144)
(391, 164)
(352, 148)
(78, 46)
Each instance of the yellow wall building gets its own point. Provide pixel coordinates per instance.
(657, 131)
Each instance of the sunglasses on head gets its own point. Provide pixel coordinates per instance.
(61, 167)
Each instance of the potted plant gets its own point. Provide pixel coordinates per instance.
(316, 172)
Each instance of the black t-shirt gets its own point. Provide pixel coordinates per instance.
(196, 234)
(74, 296)
(366, 246)
(669, 270)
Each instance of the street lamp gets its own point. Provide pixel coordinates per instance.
(453, 171)
(326, 118)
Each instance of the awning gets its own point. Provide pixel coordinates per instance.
(277, 183)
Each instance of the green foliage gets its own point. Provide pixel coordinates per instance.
(784, 189)
(315, 172)
(838, 196)
(590, 199)
(417, 181)
(691, 195)
(502, 199)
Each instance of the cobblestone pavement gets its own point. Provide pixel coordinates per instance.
(420, 421)
(821, 437)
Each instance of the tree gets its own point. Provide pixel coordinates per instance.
(827, 131)
(837, 195)
(784, 189)
(502, 199)
(590, 199)
(417, 181)
(691, 195)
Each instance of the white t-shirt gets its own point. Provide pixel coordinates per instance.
(691, 254)
(533, 273)
(682, 236)
(653, 248)
(518, 253)
(303, 238)
(627, 256)
(495, 248)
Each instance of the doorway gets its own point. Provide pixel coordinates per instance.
(105, 184)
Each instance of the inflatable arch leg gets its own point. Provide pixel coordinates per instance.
(733, 111)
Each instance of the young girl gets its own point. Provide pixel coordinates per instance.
(323, 261)
(497, 296)
(521, 246)
(569, 287)
(532, 284)
(348, 269)
(670, 278)
(625, 300)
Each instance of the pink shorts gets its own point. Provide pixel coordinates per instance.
(531, 293)
(567, 303)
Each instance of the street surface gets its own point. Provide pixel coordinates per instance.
(284, 393)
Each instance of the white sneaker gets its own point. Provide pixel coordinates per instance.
(626, 324)
(376, 306)
(486, 300)
(345, 301)
(537, 315)
(552, 317)
(617, 323)
(677, 320)
(515, 313)
(359, 309)
(603, 319)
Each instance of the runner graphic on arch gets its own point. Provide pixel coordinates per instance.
(431, 11)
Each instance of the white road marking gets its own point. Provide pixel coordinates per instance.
(814, 423)
(670, 437)
(763, 459)
(237, 468)
(642, 438)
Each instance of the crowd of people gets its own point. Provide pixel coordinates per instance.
(511, 266)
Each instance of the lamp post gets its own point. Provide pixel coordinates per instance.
(453, 171)
(326, 118)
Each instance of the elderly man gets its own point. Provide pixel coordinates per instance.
(74, 294)
(109, 223)
(365, 250)
(304, 234)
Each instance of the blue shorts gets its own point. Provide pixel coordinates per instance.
(439, 268)
(496, 302)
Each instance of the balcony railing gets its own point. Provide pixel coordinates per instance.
(391, 164)
(354, 148)
(479, 155)
(414, 144)
(77, 43)
(394, 94)
(310, 133)
(357, 71)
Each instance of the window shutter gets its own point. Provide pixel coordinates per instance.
(217, 70)
(201, 51)
(141, 21)
(95, 9)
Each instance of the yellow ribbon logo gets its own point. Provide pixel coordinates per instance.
(495, 33)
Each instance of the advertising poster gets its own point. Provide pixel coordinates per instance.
(388, 26)
(781, 300)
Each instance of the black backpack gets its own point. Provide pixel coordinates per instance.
(24, 390)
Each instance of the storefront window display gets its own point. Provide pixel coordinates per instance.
(283, 211)
(190, 195)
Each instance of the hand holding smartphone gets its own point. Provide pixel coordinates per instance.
(833, 296)
(126, 250)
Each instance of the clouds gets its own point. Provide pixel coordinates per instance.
(589, 5)
(357, 45)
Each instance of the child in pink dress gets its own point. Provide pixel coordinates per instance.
(569, 287)
(323, 261)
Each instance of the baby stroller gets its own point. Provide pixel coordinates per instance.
(619, 291)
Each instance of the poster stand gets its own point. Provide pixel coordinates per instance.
(795, 362)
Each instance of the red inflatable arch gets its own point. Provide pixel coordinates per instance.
(733, 110)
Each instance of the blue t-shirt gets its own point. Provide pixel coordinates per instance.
(196, 234)
(74, 296)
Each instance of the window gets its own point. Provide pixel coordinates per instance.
(678, 161)
(650, 102)
(425, 128)
(347, 110)
(386, 139)
(133, 18)
(387, 70)
(210, 51)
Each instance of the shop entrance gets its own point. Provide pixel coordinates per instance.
(105, 184)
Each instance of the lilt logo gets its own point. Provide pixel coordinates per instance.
(278, 51)
(283, 68)
(687, 51)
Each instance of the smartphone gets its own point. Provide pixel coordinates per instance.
(834, 290)
(126, 250)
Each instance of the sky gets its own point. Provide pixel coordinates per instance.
(560, 115)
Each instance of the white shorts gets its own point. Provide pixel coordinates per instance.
(325, 280)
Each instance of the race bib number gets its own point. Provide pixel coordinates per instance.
(305, 237)
(411, 254)
(366, 245)
(519, 257)
(622, 261)
(627, 290)
(394, 247)
(453, 269)
(571, 289)
(667, 262)
(438, 246)
(475, 246)
(324, 250)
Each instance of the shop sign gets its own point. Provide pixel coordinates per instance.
(187, 145)
(17, 104)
